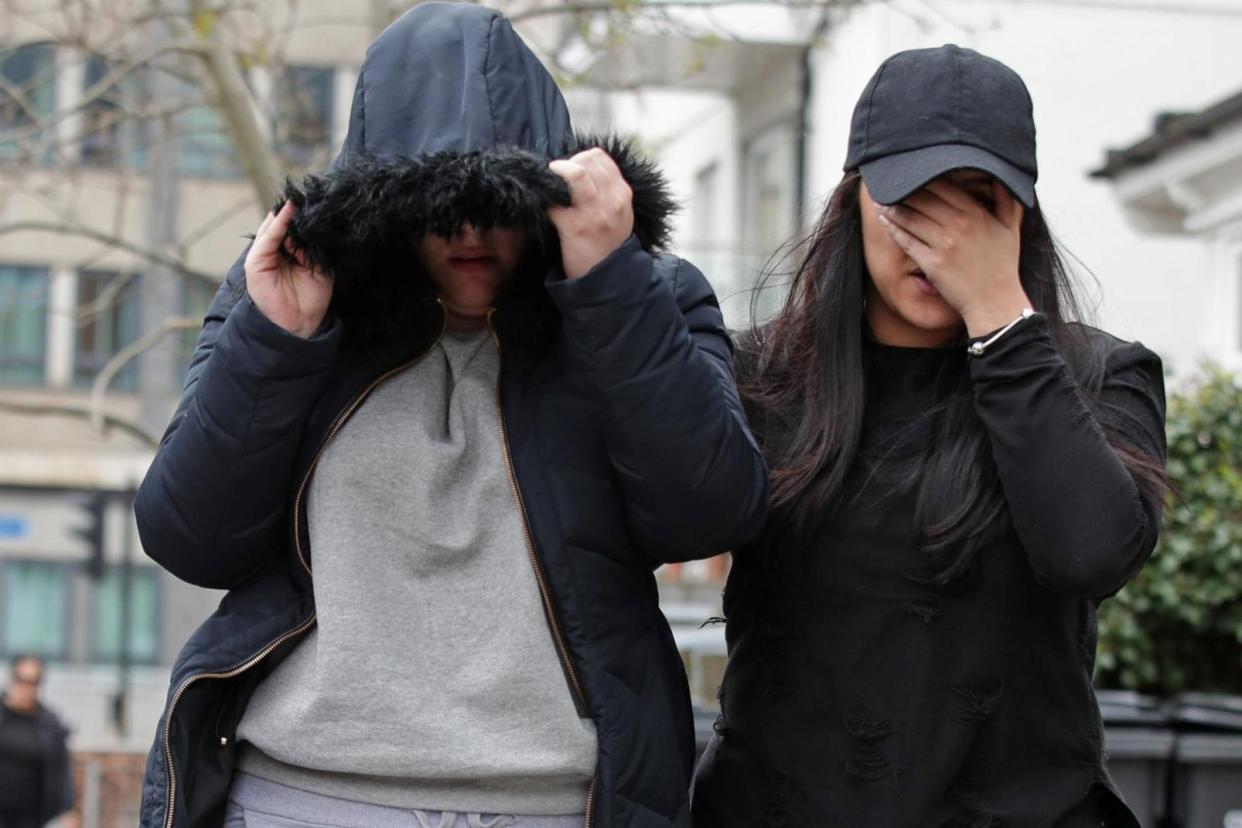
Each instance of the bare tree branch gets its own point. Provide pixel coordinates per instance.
(19, 96)
(235, 104)
(120, 72)
(109, 421)
(71, 229)
(629, 8)
(123, 357)
(197, 234)
(105, 301)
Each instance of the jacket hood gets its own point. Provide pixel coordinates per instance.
(454, 120)
(454, 77)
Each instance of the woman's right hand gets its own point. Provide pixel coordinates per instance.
(291, 294)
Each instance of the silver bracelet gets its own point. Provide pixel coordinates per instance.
(977, 349)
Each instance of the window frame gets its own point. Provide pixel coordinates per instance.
(94, 654)
(7, 360)
(43, 101)
(102, 148)
(66, 568)
(127, 378)
(297, 151)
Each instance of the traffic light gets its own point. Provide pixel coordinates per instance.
(92, 532)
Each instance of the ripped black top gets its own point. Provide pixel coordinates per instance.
(859, 694)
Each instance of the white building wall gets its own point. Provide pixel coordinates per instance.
(1098, 73)
(64, 451)
(688, 133)
(1223, 330)
(1098, 76)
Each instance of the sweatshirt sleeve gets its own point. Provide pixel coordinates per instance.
(213, 499)
(1080, 515)
(648, 336)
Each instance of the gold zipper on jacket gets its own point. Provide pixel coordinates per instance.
(590, 802)
(297, 542)
(336, 426)
(184, 685)
(549, 611)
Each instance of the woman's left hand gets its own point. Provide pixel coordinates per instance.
(969, 253)
(601, 215)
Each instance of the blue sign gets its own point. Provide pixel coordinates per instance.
(14, 527)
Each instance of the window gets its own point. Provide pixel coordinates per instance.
(107, 615)
(107, 322)
(23, 324)
(302, 122)
(768, 199)
(112, 127)
(705, 205)
(27, 95)
(206, 151)
(35, 614)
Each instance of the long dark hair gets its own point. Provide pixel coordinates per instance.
(803, 380)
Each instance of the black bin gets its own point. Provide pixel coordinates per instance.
(1207, 788)
(1139, 745)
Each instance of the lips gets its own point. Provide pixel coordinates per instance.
(923, 283)
(471, 260)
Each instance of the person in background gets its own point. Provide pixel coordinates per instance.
(35, 782)
(961, 471)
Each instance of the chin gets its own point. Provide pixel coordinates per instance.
(935, 317)
(469, 306)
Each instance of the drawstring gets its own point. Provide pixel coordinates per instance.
(449, 818)
(476, 821)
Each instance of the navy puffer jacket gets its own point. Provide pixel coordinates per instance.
(626, 442)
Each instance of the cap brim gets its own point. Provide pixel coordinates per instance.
(894, 177)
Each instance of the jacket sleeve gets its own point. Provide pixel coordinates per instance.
(1081, 516)
(649, 338)
(212, 503)
(58, 791)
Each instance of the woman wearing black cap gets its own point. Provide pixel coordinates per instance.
(960, 472)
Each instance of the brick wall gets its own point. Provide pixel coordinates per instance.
(114, 781)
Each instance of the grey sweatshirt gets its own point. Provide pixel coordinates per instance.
(431, 680)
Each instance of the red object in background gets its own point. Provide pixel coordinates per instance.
(712, 570)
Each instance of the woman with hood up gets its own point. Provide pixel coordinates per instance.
(443, 420)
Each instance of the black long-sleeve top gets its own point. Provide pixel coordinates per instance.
(858, 695)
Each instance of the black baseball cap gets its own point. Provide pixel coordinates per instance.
(926, 112)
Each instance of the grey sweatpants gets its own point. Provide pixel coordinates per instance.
(257, 803)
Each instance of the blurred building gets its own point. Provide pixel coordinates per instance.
(752, 119)
(122, 207)
(143, 166)
(1184, 180)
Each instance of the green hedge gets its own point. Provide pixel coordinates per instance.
(1178, 625)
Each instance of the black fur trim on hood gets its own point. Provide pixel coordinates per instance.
(362, 220)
